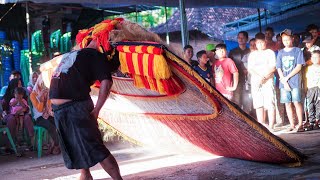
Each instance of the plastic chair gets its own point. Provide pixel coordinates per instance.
(6, 129)
(40, 133)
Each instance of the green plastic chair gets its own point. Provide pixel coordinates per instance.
(40, 134)
(6, 129)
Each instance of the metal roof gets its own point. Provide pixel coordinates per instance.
(294, 16)
(209, 21)
(268, 4)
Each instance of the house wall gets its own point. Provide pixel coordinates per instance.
(197, 40)
(55, 23)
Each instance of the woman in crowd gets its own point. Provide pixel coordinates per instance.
(32, 81)
(10, 119)
(42, 113)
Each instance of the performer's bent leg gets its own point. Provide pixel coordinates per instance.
(110, 165)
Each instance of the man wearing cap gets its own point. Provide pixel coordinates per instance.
(289, 64)
(236, 55)
(211, 48)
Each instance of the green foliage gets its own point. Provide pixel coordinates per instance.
(149, 18)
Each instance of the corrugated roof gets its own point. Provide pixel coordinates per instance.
(209, 21)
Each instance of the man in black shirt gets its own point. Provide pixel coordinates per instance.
(75, 114)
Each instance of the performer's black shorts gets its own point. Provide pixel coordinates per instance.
(79, 136)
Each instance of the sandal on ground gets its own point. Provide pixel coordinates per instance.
(279, 125)
(46, 147)
(308, 126)
(316, 125)
(290, 129)
(49, 151)
(56, 150)
(300, 129)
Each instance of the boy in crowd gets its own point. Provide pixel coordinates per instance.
(279, 42)
(252, 47)
(314, 31)
(280, 109)
(313, 93)
(296, 40)
(202, 67)
(247, 100)
(289, 63)
(226, 74)
(309, 47)
(211, 48)
(236, 55)
(188, 54)
(261, 67)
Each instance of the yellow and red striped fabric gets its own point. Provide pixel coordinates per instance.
(149, 68)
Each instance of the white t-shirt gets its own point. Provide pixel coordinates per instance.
(261, 62)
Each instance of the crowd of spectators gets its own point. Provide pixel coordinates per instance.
(273, 81)
(22, 108)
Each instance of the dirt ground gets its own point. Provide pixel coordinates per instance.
(141, 163)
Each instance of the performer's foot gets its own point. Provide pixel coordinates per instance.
(85, 177)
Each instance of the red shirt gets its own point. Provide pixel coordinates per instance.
(223, 75)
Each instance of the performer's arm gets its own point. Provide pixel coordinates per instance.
(104, 92)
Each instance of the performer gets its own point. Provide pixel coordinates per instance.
(74, 112)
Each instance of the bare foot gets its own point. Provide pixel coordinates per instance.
(85, 177)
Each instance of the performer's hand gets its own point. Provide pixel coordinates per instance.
(95, 113)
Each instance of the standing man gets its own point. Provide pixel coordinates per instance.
(269, 42)
(236, 55)
(74, 112)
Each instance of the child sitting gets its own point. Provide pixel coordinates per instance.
(19, 107)
(226, 74)
(313, 93)
(202, 67)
